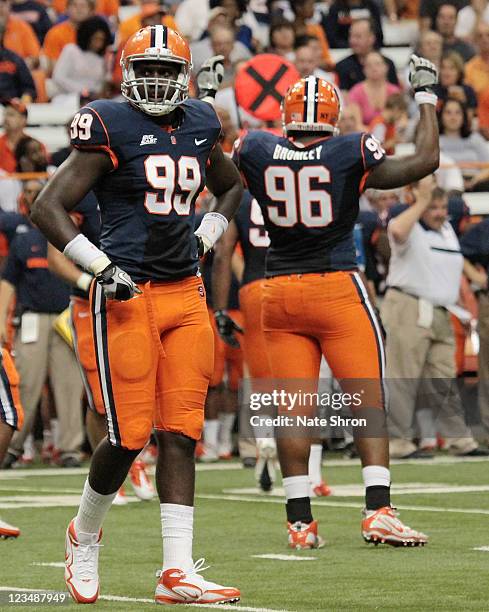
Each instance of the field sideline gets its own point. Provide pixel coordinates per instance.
(243, 538)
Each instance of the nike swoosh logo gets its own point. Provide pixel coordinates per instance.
(199, 142)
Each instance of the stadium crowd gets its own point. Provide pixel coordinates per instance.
(64, 52)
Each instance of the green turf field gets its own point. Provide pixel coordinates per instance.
(448, 499)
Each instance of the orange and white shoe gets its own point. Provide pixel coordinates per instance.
(321, 490)
(81, 566)
(304, 536)
(178, 587)
(383, 526)
(120, 499)
(8, 531)
(140, 481)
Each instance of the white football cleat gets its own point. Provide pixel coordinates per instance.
(81, 566)
(140, 481)
(178, 587)
(8, 531)
(120, 499)
(304, 536)
(383, 526)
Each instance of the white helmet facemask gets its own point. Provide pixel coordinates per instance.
(155, 95)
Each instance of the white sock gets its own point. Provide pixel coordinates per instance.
(376, 476)
(315, 459)
(55, 431)
(211, 431)
(296, 486)
(226, 423)
(91, 513)
(177, 527)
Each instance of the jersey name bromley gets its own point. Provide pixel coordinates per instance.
(281, 152)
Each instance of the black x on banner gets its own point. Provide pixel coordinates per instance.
(261, 84)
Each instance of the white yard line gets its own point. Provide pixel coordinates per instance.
(482, 548)
(55, 564)
(274, 557)
(334, 504)
(151, 601)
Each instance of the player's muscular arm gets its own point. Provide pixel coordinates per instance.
(74, 179)
(224, 181)
(398, 171)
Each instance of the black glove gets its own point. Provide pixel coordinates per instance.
(227, 328)
(210, 76)
(117, 284)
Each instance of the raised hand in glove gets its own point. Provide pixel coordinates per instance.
(117, 284)
(423, 74)
(227, 328)
(210, 76)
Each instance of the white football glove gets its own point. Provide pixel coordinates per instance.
(117, 284)
(422, 74)
(210, 76)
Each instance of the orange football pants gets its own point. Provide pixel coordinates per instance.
(154, 358)
(253, 341)
(226, 358)
(11, 411)
(85, 352)
(309, 315)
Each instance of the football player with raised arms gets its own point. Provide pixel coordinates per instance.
(146, 159)
(308, 184)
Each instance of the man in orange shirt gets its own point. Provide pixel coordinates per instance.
(65, 32)
(18, 36)
(477, 70)
(14, 123)
(149, 9)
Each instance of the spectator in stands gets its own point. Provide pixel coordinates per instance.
(303, 13)
(152, 13)
(15, 78)
(451, 83)
(230, 13)
(106, 8)
(477, 70)
(40, 351)
(343, 13)
(401, 9)
(372, 93)
(282, 39)
(350, 120)
(424, 278)
(14, 123)
(469, 18)
(307, 61)
(459, 142)
(446, 20)
(18, 36)
(35, 14)
(64, 33)
(31, 155)
(81, 68)
(428, 10)
(430, 46)
(192, 18)
(221, 41)
(362, 42)
(229, 133)
(475, 249)
(390, 125)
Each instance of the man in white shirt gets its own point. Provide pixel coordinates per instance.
(469, 18)
(424, 280)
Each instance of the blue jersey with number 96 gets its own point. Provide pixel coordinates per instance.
(309, 196)
(147, 202)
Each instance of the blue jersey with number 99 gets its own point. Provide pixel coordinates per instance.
(309, 196)
(147, 202)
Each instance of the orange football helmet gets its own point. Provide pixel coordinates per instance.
(156, 95)
(311, 105)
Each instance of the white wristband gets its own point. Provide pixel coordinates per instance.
(212, 227)
(425, 97)
(84, 281)
(82, 252)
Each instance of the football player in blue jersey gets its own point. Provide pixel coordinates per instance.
(314, 301)
(146, 159)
